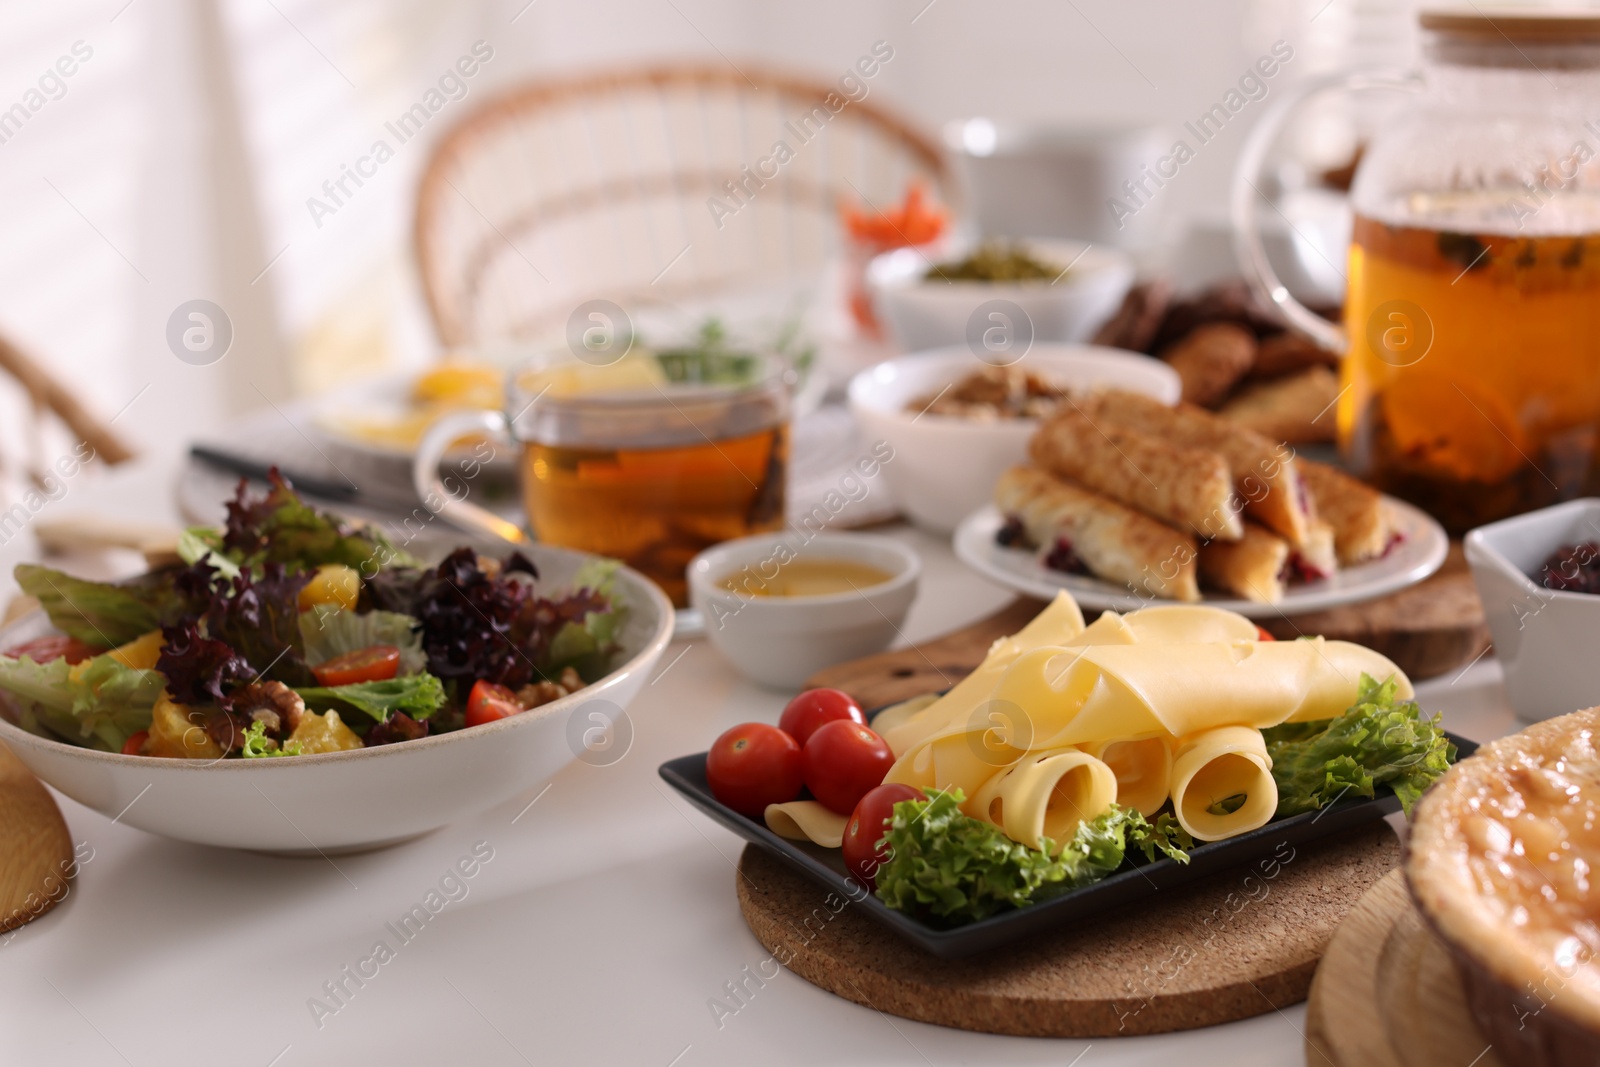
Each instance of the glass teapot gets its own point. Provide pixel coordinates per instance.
(1471, 327)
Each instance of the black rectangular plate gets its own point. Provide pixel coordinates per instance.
(687, 774)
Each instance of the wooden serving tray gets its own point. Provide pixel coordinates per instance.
(35, 849)
(1432, 628)
(1388, 995)
(1228, 947)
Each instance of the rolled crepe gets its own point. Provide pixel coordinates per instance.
(1046, 794)
(1143, 767)
(1263, 471)
(1316, 557)
(1057, 624)
(807, 820)
(1115, 542)
(1217, 765)
(1361, 521)
(1254, 567)
(1077, 696)
(1189, 488)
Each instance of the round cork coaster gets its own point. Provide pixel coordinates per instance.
(1388, 972)
(1227, 947)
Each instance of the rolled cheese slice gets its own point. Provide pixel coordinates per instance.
(1046, 794)
(1077, 696)
(807, 820)
(960, 758)
(1143, 767)
(1215, 765)
(1057, 624)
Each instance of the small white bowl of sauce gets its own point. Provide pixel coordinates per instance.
(783, 606)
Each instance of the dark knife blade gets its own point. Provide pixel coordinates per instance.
(256, 470)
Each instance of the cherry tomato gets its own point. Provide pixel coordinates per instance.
(489, 702)
(56, 646)
(1263, 635)
(134, 745)
(842, 761)
(753, 765)
(866, 828)
(814, 707)
(375, 664)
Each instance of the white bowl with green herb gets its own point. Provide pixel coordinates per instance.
(1063, 289)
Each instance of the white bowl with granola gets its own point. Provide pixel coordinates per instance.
(956, 423)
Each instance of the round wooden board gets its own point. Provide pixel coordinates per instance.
(35, 849)
(1227, 947)
(1388, 995)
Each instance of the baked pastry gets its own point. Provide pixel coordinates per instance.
(1190, 488)
(1263, 471)
(1255, 567)
(1072, 525)
(1502, 863)
(1211, 360)
(1362, 525)
(1297, 409)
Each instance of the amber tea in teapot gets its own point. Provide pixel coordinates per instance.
(1473, 368)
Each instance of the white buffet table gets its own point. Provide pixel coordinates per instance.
(597, 933)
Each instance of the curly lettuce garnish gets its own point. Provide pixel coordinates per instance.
(956, 867)
(258, 745)
(1379, 741)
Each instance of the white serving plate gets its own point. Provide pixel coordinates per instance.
(349, 801)
(1421, 551)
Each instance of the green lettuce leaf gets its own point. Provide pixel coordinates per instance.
(328, 630)
(257, 745)
(98, 704)
(1379, 741)
(586, 645)
(104, 614)
(205, 543)
(280, 527)
(960, 868)
(418, 695)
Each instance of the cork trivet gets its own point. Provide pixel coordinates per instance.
(1233, 945)
(35, 849)
(1388, 995)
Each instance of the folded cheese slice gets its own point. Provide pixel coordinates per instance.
(1213, 771)
(1076, 696)
(1143, 767)
(1046, 794)
(807, 820)
(1057, 624)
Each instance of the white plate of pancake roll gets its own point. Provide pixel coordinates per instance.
(1126, 501)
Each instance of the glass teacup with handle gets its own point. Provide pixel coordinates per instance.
(648, 458)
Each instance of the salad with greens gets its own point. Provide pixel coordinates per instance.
(292, 631)
(947, 865)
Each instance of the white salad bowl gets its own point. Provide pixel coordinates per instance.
(781, 641)
(944, 468)
(1543, 638)
(366, 798)
(928, 313)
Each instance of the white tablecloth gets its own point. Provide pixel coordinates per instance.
(599, 931)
